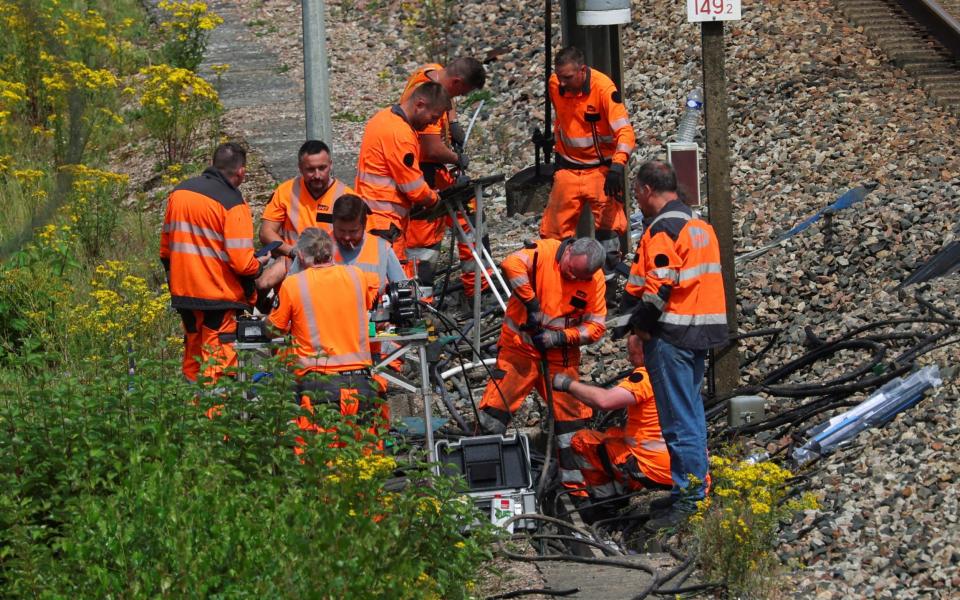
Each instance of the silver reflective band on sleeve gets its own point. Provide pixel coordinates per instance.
(185, 227)
(654, 300)
(584, 334)
(294, 214)
(623, 122)
(694, 320)
(412, 185)
(571, 476)
(238, 243)
(692, 272)
(637, 280)
(654, 445)
(199, 250)
(625, 148)
(582, 462)
(594, 318)
(516, 282)
(565, 439)
(375, 179)
(673, 214)
(665, 273)
(388, 207)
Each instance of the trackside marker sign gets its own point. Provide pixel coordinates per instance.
(712, 10)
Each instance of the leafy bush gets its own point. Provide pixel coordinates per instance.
(94, 205)
(736, 525)
(115, 486)
(187, 27)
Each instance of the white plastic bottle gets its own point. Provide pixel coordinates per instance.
(690, 122)
(501, 509)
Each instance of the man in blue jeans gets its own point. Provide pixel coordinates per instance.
(675, 290)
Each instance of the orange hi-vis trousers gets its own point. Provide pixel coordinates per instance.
(572, 188)
(514, 376)
(613, 464)
(202, 345)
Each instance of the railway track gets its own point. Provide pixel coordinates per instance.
(920, 36)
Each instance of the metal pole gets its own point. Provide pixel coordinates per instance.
(726, 361)
(427, 407)
(316, 78)
(478, 267)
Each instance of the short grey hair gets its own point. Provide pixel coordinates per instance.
(315, 245)
(590, 248)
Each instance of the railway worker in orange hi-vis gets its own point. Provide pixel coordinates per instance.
(441, 144)
(360, 248)
(206, 247)
(325, 308)
(620, 459)
(304, 201)
(679, 309)
(557, 305)
(593, 140)
(389, 178)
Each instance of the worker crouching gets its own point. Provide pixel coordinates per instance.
(620, 459)
(325, 308)
(557, 305)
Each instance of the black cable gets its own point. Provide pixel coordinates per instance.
(528, 591)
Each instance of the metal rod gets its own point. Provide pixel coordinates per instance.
(478, 267)
(476, 257)
(316, 79)
(473, 120)
(486, 255)
(427, 407)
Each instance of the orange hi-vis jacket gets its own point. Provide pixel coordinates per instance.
(294, 207)
(325, 309)
(678, 279)
(441, 126)
(577, 308)
(372, 258)
(206, 245)
(592, 127)
(389, 178)
(642, 428)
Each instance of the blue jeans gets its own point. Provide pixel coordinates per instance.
(676, 375)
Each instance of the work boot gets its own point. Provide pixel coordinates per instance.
(662, 503)
(490, 425)
(674, 518)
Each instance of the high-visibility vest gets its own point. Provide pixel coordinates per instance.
(441, 126)
(642, 428)
(371, 259)
(294, 207)
(325, 309)
(592, 126)
(679, 280)
(576, 307)
(207, 245)
(389, 178)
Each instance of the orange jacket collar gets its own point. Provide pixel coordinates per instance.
(584, 89)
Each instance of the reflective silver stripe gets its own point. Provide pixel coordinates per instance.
(375, 179)
(199, 250)
(665, 273)
(555, 322)
(621, 122)
(388, 207)
(512, 326)
(692, 272)
(625, 148)
(637, 280)
(338, 189)
(673, 214)
(423, 254)
(334, 361)
(654, 300)
(571, 476)
(603, 491)
(606, 139)
(694, 320)
(294, 214)
(582, 462)
(576, 142)
(191, 228)
(411, 185)
(564, 439)
(654, 445)
(364, 338)
(516, 282)
(238, 243)
(594, 163)
(594, 318)
(584, 332)
(383, 246)
(313, 328)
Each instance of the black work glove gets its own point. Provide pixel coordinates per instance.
(613, 185)
(561, 382)
(548, 338)
(463, 161)
(534, 315)
(644, 318)
(457, 136)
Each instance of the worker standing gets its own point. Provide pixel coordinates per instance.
(557, 305)
(593, 141)
(325, 308)
(206, 247)
(389, 178)
(627, 458)
(441, 144)
(679, 310)
(356, 246)
(304, 201)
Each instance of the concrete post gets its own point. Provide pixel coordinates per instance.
(316, 78)
(726, 362)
